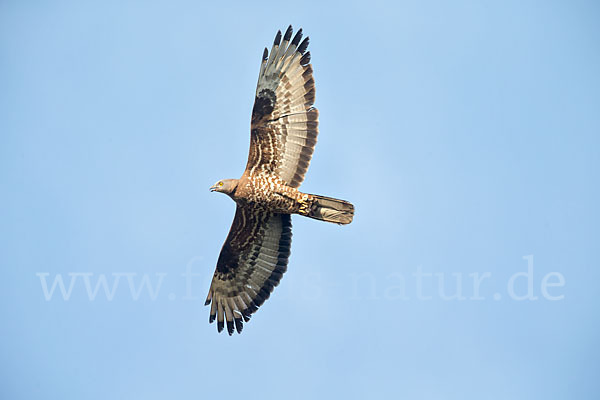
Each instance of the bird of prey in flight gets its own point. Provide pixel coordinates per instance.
(283, 135)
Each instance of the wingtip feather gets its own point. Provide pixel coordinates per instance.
(303, 45)
(277, 39)
(288, 33)
(297, 37)
(305, 60)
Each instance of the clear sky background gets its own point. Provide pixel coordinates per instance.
(466, 133)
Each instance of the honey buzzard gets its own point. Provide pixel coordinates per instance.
(283, 135)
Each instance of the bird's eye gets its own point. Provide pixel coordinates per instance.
(220, 183)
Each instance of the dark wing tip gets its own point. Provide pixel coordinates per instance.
(211, 318)
(238, 325)
(297, 38)
(230, 327)
(305, 60)
(246, 315)
(277, 39)
(220, 326)
(288, 34)
(265, 54)
(303, 45)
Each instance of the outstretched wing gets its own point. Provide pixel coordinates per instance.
(284, 123)
(252, 262)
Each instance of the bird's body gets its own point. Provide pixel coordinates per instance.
(250, 192)
(283, 134)
(281, 198)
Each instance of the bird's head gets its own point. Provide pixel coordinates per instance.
(226, 186)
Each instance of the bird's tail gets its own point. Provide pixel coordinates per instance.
(331, 210)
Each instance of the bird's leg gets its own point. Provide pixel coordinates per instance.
(305, 202)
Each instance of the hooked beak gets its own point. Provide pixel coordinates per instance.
(213, 188)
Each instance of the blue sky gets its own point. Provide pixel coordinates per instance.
(466, 134)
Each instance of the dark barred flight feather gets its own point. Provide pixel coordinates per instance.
(305, 60)
(303, 45)
(283, 135)
(297, 38)
(288, 34)
(277, 39)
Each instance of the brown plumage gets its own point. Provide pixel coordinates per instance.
(283, 134)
